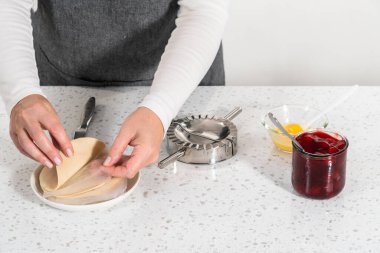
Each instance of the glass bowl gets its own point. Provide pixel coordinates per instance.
(291, 114)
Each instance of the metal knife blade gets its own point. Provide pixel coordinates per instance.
(88, 113)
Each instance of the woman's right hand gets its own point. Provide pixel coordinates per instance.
(29, 118)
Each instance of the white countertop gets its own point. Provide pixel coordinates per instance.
(245, 204)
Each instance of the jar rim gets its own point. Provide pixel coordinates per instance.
(320, 155)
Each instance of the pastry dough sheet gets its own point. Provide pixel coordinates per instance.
(85, 150)
(86, 179)
(79, 180)
(114, 188)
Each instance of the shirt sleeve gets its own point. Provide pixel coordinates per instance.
(188, 55)
(18, 70)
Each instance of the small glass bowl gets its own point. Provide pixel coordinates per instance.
(291, 114)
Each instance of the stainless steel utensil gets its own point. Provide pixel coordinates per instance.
(202, 139)
(88, 113)
(279, 125)
(204, 132)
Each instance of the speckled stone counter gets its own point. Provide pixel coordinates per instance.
(245, 204)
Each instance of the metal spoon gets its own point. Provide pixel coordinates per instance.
(202, 134)
(207, 134)
(279, 125)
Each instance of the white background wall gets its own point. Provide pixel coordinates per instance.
(303, 42)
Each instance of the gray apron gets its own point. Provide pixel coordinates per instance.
(106, 42)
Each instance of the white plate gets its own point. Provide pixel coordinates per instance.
(35, 184)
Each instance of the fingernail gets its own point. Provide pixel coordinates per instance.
(107, 162)
(69, 152)
(57, 160)
(49, 164)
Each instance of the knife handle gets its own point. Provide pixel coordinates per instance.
(89, 111)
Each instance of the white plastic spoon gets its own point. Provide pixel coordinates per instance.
(332, 106)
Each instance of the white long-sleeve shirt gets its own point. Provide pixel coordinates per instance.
(188, 55)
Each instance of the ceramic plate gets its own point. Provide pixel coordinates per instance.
(35, 184)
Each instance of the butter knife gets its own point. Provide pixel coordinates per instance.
(88, 113)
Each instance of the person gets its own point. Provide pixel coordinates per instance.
(172, 45)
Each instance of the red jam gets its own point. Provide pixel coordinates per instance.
(321, 143)
(320, 170)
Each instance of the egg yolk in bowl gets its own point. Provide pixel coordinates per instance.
(281, 141)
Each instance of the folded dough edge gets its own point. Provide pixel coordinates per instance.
(85, 149)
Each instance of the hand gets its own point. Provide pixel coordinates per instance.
(143, 131)
(29, 118)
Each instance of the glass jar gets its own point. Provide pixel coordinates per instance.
(316, 175)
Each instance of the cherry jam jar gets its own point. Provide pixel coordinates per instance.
(319, 171)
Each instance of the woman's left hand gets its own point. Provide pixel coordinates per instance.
(143, 131)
